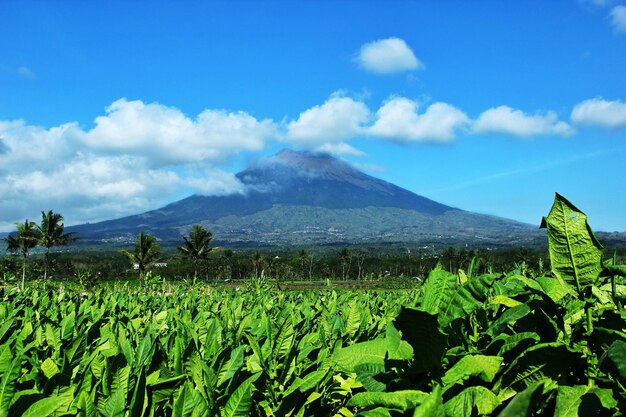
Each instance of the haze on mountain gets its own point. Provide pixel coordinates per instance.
(306, 198)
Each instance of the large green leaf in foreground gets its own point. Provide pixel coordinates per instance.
(575, 252)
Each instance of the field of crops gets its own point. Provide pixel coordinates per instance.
(512, 344)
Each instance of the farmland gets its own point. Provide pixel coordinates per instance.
(517, 343)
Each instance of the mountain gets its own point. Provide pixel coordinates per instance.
(314, 198)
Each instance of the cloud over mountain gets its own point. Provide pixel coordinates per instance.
(139, 155)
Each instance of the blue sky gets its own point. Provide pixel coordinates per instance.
(110, 109)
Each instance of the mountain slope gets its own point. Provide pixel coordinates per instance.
(303, 197)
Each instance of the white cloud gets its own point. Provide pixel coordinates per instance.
(132, 160)
(340, 148)
(388, 56)
(337, 120)
(618, 18)
(214, 182)
(398, 119)
(599, 112)
(166, 136)
(87, 188)
(504, 119)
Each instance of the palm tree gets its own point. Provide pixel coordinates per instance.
(147, 253)
(197, 246)
(50, 233)
(23, 241)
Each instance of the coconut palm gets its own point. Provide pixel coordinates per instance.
(147, 253)
(23, 241)
(197, 246)
(50, 233)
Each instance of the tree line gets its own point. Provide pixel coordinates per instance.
(197, 258)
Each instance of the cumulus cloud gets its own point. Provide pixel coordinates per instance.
(618, 18)
(340, 148)
(504, 119)
(130, 161)
(599, 112)
(213, 181)
(338, 119)
(168, 137)
(388, 56)
(398, 119)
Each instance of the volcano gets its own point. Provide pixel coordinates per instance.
(306, 198)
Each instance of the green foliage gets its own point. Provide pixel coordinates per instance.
(23, 241)
(147, 253)
(512, 344)
(51, 233)
(197, 246)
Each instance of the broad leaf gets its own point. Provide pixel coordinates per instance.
(240, 401)
(438, 290)
(463, 404)
(569, 400)
(7, 385)
(432, 405)
(523, 404)
(575, 252)
(484, 367)
(399, 400)
(370, 352)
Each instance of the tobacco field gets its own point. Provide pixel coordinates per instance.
(501, 344)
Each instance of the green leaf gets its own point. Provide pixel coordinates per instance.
(354, 319)
(484, 367)
(143, 351)
(432, 406)
(523, 404)
(539, 362)
(397, 349)
(307, 383)
(438, 290)
(231, 366)
(555, 287)
(115, 405)
(575, 252)
(86, 405)
(185, 403)
(399, 400)
(67, 326)
(7, 385)
(139, 401)
(349, 358)
(505, 301)
(374, 412)
(465, 299)
(569, 400)
(617, 355)
(49, 368)
(480, 398)
(44, 407)
(240, 401)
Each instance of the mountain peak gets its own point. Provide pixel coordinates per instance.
(304, 159)
(289, 164)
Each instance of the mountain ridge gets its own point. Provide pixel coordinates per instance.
(294, 197)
